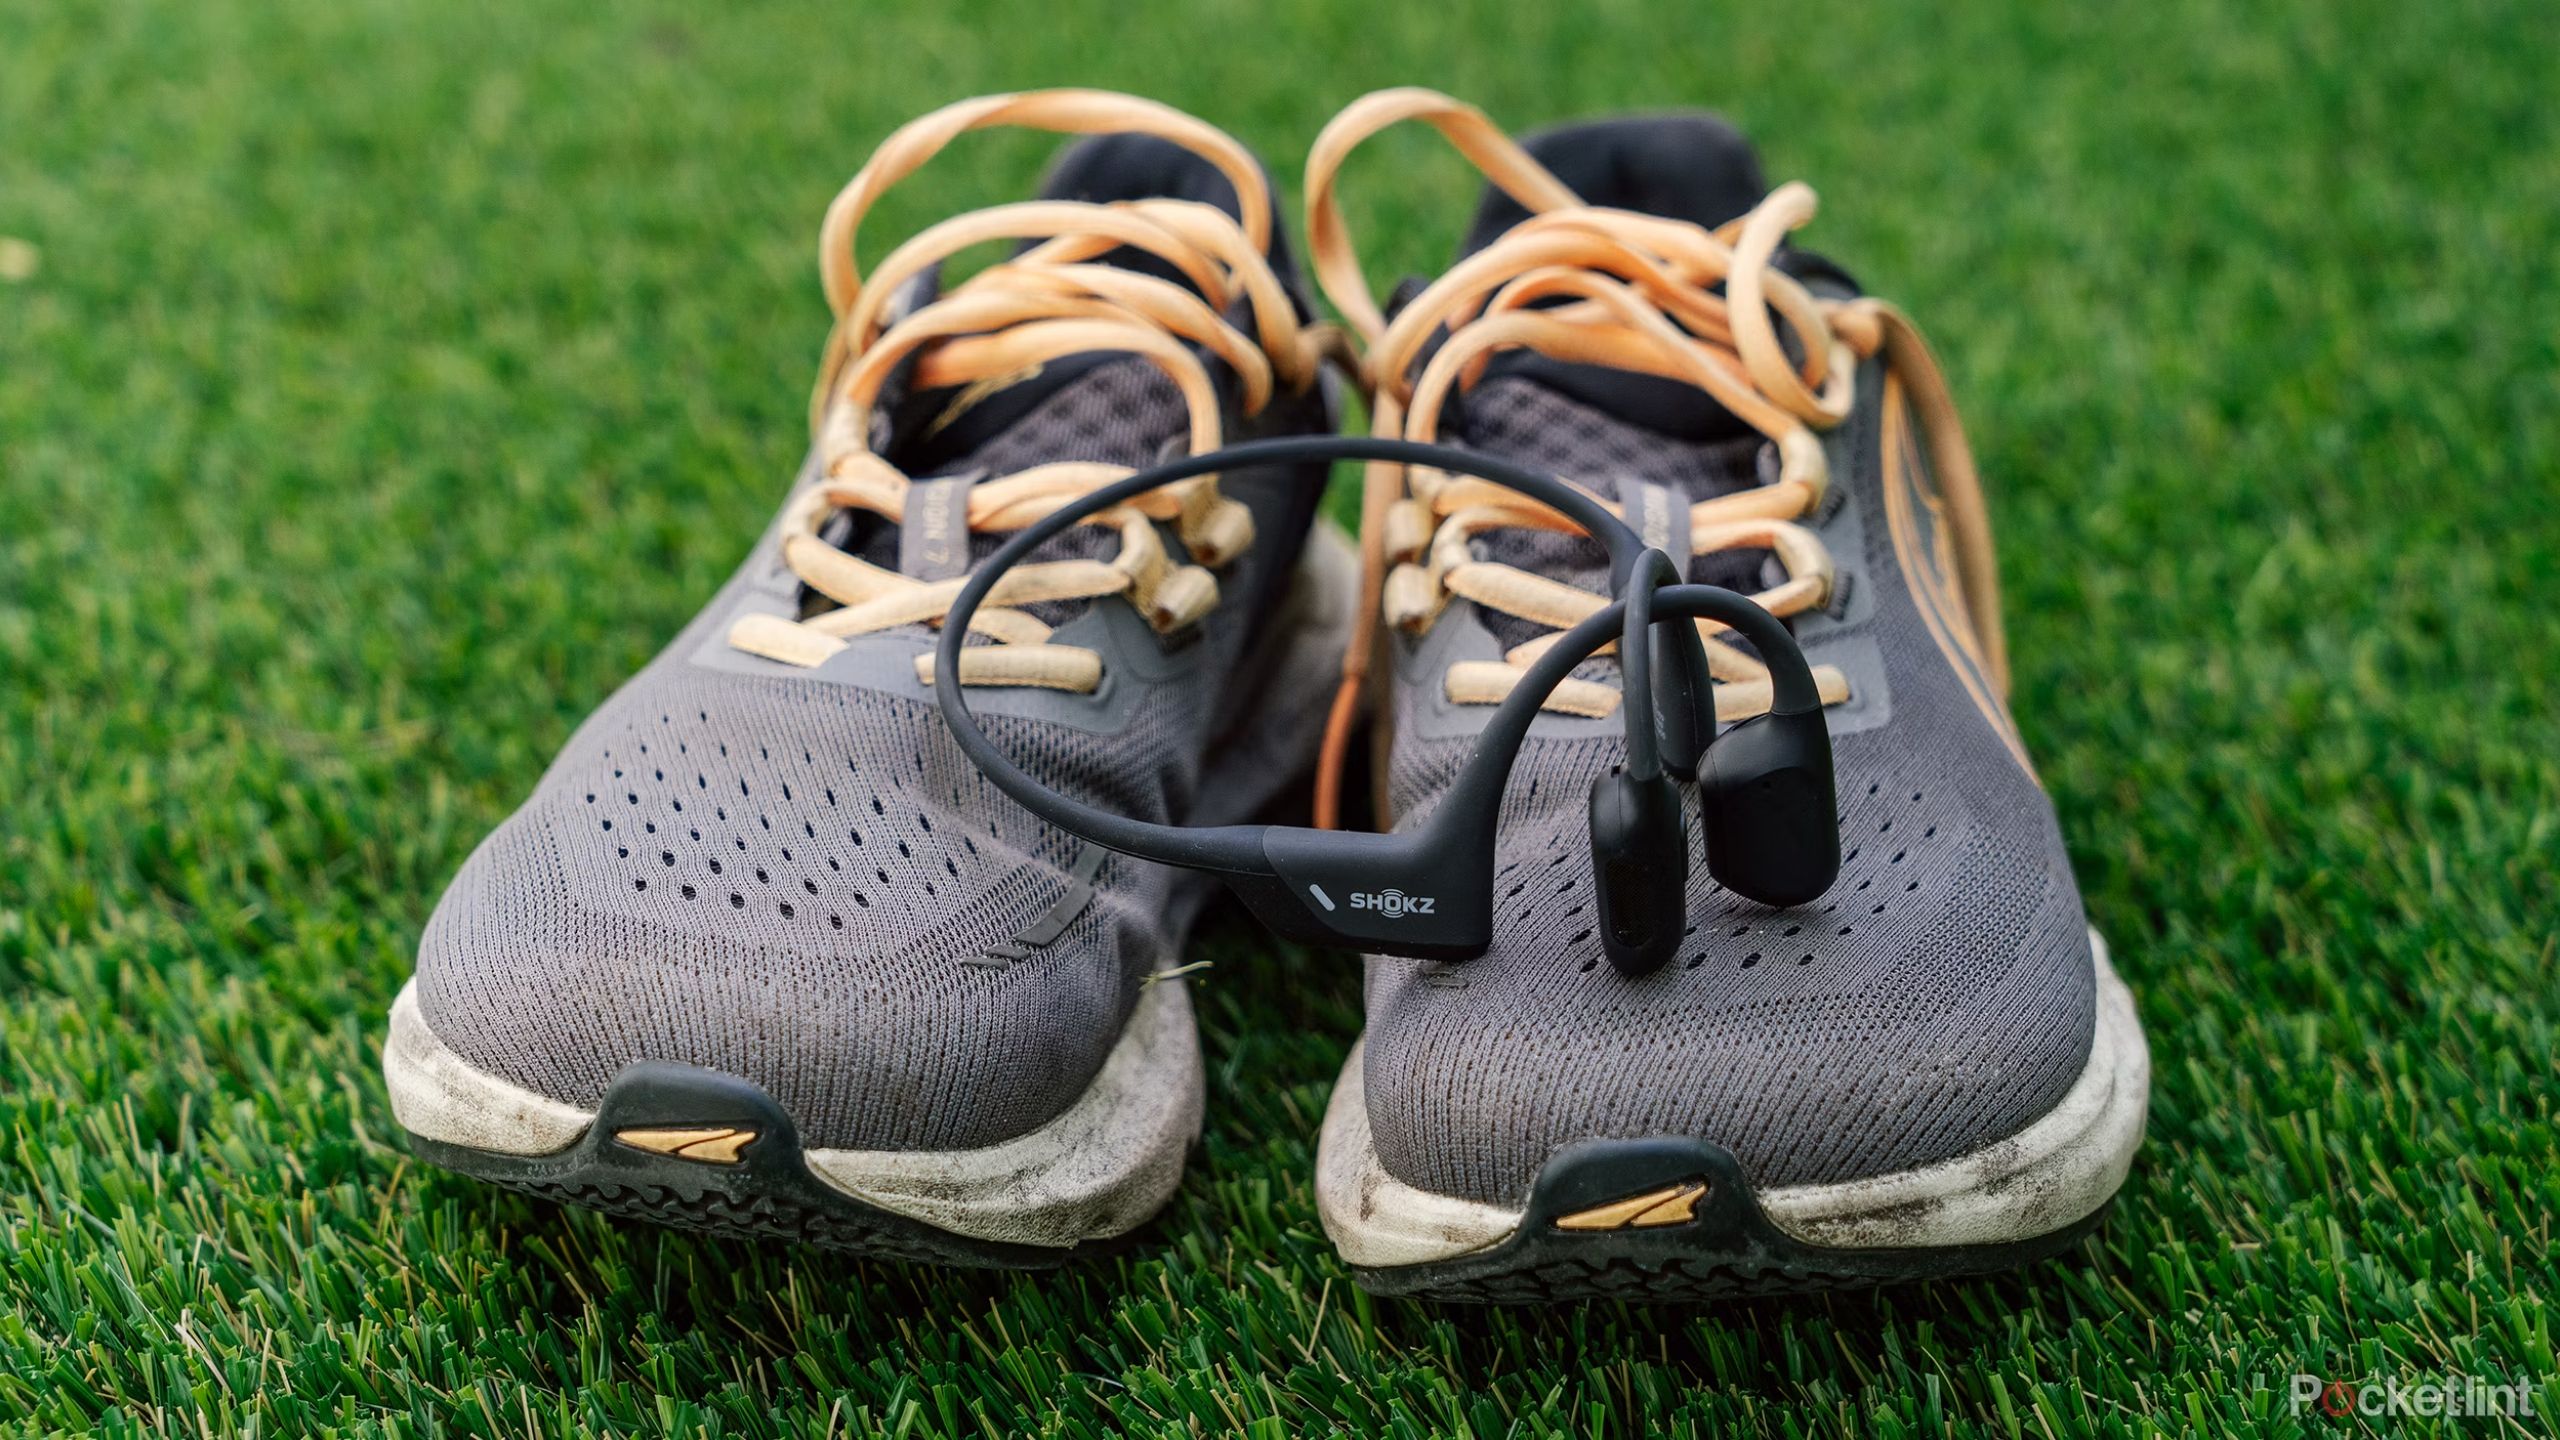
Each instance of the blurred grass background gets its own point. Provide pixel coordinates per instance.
(382, 381)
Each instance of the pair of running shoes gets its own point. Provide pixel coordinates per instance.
(766, 953)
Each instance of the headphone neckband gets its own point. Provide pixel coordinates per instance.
(1325, 886)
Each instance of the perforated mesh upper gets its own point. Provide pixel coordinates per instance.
(790, 881)
(1123, 412)
(1120, 412)
(1520, 417)
(798, 880)
(1939, 997)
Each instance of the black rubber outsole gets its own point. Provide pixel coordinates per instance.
(1727, 1249)
(768, 1193)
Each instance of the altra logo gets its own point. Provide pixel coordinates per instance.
(1392, 903)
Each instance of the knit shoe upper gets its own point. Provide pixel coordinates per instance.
(1941, 995)
(764, 855)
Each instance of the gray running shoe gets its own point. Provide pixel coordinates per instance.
(1932, 1069)
(763, 953)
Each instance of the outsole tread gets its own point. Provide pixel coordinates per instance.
(1728, 1250)
(762, 1218)
(768, 1193)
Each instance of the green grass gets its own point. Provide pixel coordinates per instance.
(394, 377)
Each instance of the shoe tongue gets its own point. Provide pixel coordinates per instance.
(1642, 439)
(1654, 474)
(1672, 409)
(937, 431)
(946, 429)
(1109, 408)
(1686, 167)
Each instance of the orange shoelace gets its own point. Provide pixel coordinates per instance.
(1639, 293)
(1048, 302)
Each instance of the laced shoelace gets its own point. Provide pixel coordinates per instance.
(1048, 302)
(1635, 292)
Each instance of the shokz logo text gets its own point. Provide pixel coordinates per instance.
(1392, 903)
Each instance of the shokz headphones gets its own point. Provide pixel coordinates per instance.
(1764, 785)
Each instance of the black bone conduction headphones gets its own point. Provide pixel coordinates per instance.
(1764, 786)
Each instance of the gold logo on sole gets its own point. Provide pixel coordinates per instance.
(1670, 1205)
(708, 1144)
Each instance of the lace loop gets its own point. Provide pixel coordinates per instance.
(1045, 303)
(1644, 293)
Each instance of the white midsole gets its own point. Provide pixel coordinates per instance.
(2059, 1169)
(1099, 1169)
